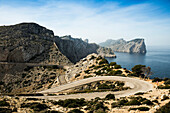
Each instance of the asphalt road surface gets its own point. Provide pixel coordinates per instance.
(136, 86)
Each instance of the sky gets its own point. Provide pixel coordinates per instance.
(96, 20)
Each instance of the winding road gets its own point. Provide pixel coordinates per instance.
(136, 86)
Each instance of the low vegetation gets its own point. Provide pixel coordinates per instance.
(35, 106)
(164, 109)
(71, 103)
(133, 101)
(140, 108)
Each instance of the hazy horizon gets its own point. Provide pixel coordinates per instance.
(96, 20)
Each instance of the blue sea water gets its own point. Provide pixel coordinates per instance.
(158, 58)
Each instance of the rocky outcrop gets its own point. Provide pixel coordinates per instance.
(133, 46)
(26, 41)
(76, 49)
(29, 42)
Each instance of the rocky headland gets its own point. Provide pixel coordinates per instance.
(32, 43)
(132, 46)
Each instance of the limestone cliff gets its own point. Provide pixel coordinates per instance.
(25, 42)
(28, 41)
(133, 46)
(76, 49)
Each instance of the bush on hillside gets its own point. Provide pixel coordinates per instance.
(164, 109)
(4, 103)
(167, 82)
(133, 102)
(35, 106)
(117, 66)
(156, 79)
(103, 61)
(112, 63)
(75, 111)
(140, 108)
(110, 96)
(71, 103)
(137, 69)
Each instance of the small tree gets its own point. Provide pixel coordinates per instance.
(137, 69)
(112, 63)
(146, 71)
(117, 66)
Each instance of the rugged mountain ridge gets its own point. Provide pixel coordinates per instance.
(132, 46)
(76, 49)
(32, 43)
(26, 41)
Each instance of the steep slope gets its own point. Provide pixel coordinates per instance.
(76, 49)
(30, 55)
(133, 46)
(24, 42)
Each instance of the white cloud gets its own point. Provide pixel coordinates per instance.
(94, 23)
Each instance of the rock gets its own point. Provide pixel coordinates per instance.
(75, 49)
(133, 46)
(164, 97)
(86, 40)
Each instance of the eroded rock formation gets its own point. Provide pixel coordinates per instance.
(133, 46)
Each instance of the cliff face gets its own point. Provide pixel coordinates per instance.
(26, 41)
(133, 46)
(29, 42)
(76, 49)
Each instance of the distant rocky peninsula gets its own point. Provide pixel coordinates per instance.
(132, 46)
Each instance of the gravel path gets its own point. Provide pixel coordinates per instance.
(136, 85)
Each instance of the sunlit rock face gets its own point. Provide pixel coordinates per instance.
(133, 46)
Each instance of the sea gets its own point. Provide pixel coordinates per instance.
(157, 57)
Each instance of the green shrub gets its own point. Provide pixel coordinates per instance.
(110, 96)
(117, 66)
(140, 108)
(156, 79)
(112, 63)
(127, 71)
(28, 68)
(97, 67)
(71, 103)
(75, 111)
(164, 109)
(77, 75)
(140, 93)
(119, 83)
(99, 57)
(108, 69)
(35, 106)
(122, 102)
(4, 103)
(156, 101)
(164, 87)
(118, 72)
(147, 102)
(133, 102)
(92, 57)
(103, 86)
(52, 111)
(88, 76)
(91, 66)
(86, 71)
(98, 72)
(103, 61)
(137, 69)
(167, 82)
(23, 75)
(5, 110)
